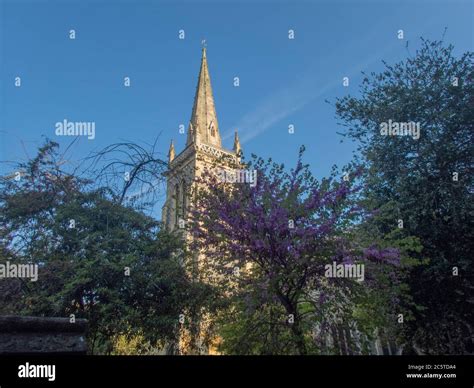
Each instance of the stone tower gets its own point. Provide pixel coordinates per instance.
(203, 148)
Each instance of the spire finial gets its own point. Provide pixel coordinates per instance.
(203, 46)
(237, 147)
(171, 153)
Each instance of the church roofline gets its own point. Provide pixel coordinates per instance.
(193, 148)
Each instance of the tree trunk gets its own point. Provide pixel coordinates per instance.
(298, 334)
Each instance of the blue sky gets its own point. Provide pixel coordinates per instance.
(282, 81)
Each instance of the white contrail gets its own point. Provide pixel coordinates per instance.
(291, 99)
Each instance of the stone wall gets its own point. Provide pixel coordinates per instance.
(30, 335)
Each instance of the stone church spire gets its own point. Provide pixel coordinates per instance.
(203, 126)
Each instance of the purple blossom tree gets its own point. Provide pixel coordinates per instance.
(272, 242)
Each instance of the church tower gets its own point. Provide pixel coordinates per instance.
(203, 149)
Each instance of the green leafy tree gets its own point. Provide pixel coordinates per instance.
(97, 258)
(423, 185)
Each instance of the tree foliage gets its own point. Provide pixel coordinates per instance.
(425, 182)
(267, 247)
(97, 258)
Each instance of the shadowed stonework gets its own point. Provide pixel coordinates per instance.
(26, 335)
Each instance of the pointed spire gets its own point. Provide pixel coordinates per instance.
(237, 147)
(203, 126)
(171, 153)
